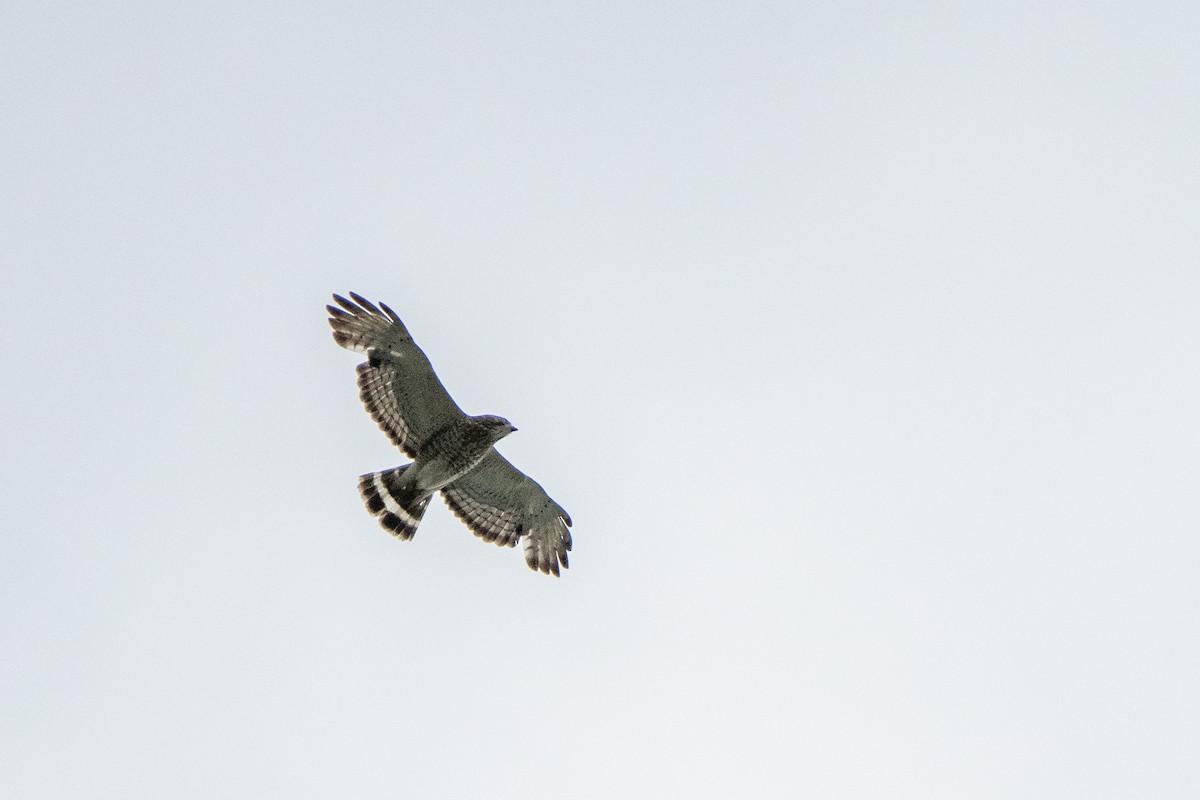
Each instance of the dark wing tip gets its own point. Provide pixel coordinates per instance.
(365, 303)
(346, 304)
(389, 312)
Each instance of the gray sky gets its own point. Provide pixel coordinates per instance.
(860, 341)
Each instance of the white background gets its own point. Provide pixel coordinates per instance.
(860, 340)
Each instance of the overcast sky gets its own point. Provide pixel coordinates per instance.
(860, 340)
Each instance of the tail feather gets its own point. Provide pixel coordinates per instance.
(398, 507)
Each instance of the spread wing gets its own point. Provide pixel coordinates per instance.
(501, 504)
(396, 382)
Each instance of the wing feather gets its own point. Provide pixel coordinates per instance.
(501, 504)
(397, 383)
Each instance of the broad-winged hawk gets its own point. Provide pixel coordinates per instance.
(451, 451)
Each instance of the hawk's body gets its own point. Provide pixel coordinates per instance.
(451, 451)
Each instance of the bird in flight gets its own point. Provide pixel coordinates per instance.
(451, 452)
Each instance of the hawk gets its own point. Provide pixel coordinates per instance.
(451, 452)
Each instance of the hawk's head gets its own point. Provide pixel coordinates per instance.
(497, 427)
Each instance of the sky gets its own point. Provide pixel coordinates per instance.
(860, 341)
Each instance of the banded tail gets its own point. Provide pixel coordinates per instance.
(398, 506)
